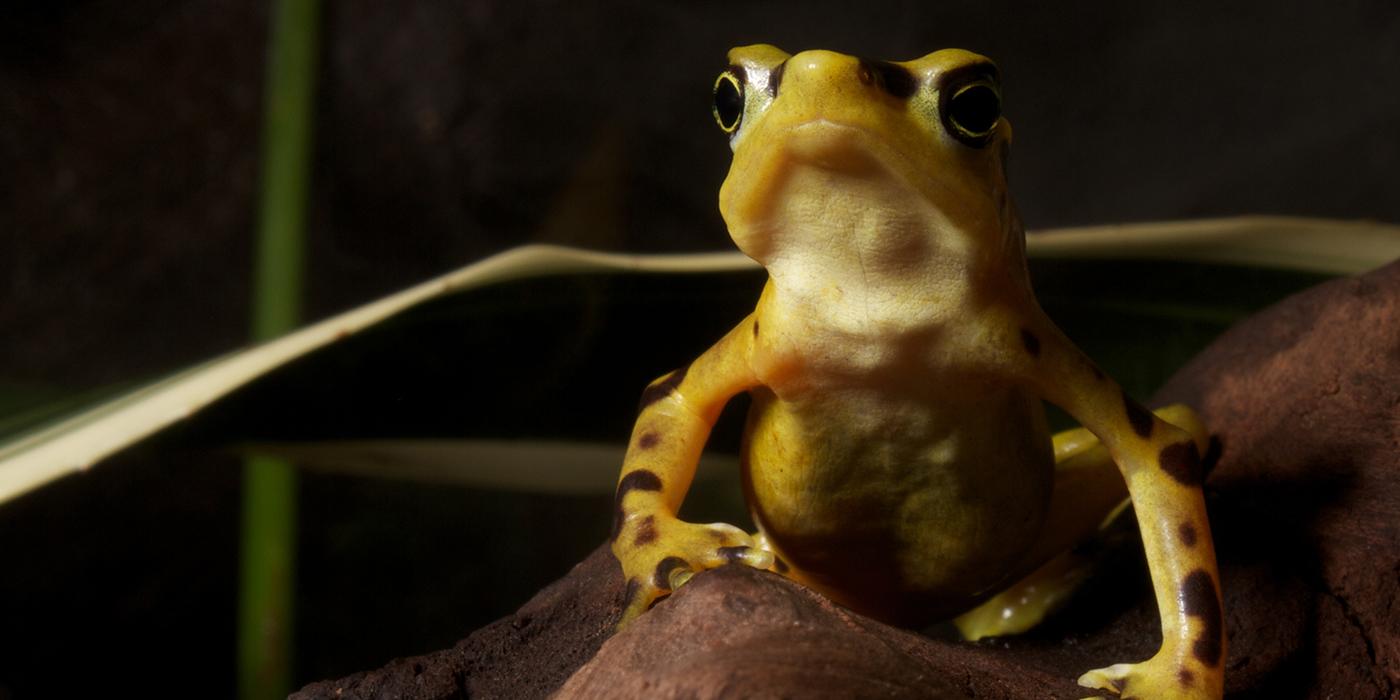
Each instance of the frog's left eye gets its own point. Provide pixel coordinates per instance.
(971, 113)
(729, 101)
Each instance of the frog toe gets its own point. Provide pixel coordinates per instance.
(635, 602)
(749, 556)
(734, 546)
(1158, 677)
(725, 532)
(643, 591)
(1112, 678)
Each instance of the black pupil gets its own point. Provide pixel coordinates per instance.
(976, 109)
(729, 104)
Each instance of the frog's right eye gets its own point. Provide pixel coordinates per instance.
(972, 112)
(729, 101)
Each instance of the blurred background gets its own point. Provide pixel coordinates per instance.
(445, 131)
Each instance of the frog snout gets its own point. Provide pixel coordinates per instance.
(825, 71)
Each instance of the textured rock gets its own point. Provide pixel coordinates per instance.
(738, 633)
(1305, 508)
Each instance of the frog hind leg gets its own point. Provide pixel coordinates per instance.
(1089, 494)
(1028, 602)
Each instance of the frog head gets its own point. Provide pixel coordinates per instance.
(847, 167)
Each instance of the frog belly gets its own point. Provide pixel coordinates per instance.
(906, 508)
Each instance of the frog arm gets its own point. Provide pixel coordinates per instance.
(1162, 469)
(657, 551)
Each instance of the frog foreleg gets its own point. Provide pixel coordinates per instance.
(1162, 468)
(659, 552)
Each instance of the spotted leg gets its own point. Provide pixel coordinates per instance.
(1161, 466)
(658, 551)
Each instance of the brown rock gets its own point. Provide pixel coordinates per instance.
(525, 655)
(740, 633)
(737, 633)
(1305, 508)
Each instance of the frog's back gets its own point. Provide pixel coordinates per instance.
(917, 496)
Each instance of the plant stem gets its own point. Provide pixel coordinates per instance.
(269, 486)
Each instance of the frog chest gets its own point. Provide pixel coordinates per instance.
(977, 447)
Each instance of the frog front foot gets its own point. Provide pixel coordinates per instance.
(661, 553)
(1163, 677)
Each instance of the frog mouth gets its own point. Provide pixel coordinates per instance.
(840, 146)
(818, 165)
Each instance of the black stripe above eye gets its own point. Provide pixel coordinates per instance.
(894, 79)
(969, 73)
(775, 79)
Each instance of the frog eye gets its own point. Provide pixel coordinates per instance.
(971, 114)
(729, 101)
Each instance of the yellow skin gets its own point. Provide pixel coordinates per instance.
(897, 457)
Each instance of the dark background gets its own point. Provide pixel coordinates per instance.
(445, 131)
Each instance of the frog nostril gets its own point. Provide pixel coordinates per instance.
(866, 75)
(894, 79)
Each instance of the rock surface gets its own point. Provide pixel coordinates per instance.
(525, 655)
(1304, 399)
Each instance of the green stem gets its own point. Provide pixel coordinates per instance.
(268, 548)
(268, 581)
